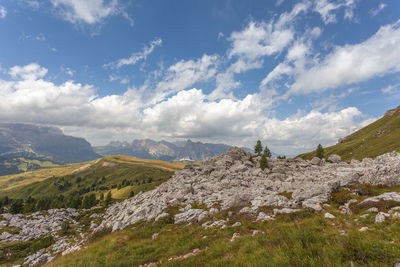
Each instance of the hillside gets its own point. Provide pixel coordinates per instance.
(25, 147)
(377, 138)
(226, 211)
(118, 174)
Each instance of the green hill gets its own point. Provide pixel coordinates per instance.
(379, 137)
(119, 174)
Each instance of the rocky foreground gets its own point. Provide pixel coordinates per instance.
(232, 179)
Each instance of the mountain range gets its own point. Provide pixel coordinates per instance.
(26, 147)
(163, 150)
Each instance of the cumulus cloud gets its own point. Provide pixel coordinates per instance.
(136, 57)
(188, 114)
(350, 64)
(256, 41)
(29, 97)
(184, 74)
(302, 132)
(3, 12)
(88, 11)
(29, 72)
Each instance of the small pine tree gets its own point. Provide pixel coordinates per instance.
(101, 196)
(131, 194)
(320, 151)
(65, 228)
(258, 148)
(263, 162)
(267, 152)
(108, 199)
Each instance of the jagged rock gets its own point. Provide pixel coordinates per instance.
(264, 217)
(236, 224)
(373, 209)
(118, 225)
(329, 215)
(154, 236)
(192, 215)
(390, 196)
(247, 210)
(35, 225)
(209, 224)
(234, 236)
(285, 211)
(346, 207)
(334, 158)
(380, 217)
(363, 229)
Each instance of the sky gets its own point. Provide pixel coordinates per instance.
(290, 73)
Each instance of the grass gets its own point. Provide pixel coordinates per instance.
(366, 142)
(14, 252)
(8, 182)
(302, 238)
(10, 229)
(98, 176)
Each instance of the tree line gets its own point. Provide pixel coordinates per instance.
(31, 204)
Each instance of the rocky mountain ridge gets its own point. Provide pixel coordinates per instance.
(41, 143)
(163, 150)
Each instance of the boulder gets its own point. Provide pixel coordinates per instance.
(334, 158)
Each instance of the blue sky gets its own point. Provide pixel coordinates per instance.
(292, 73)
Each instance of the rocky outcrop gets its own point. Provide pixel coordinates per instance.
(232, 180)
(35, 225)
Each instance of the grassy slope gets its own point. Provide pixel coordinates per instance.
(365, 142)
(114, 168)
(298, 239)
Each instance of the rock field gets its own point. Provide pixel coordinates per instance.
(232, 179)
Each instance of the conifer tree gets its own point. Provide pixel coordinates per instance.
(267, 152)
(320, 151)
(258, 148)
(263, 162)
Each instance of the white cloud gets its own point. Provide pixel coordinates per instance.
(350, 64)
(3, 12)
(29, 97)
(302, 132)
(295, 59)
(188, 114)
(184, 74)
(260, 39)
(376, 11)
(29, 72)
(88, 11)
(136, 57)
(391, 89)
(326, 9)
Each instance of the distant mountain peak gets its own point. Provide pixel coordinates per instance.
(164, 150)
